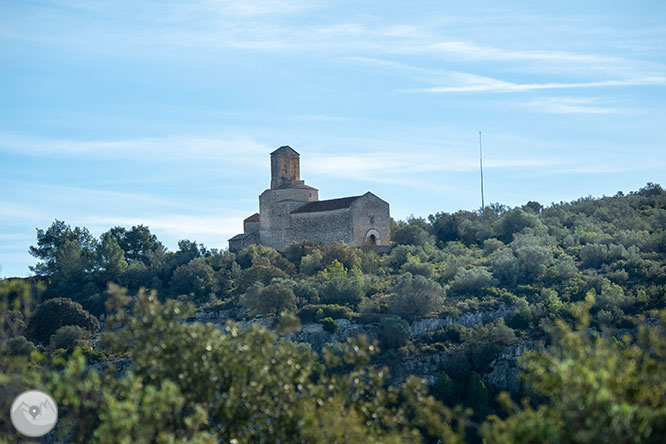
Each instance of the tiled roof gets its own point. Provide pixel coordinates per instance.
(253, 218)
(285, 148)
(326, 205)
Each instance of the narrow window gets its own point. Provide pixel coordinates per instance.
(292, 167)
(283, 167)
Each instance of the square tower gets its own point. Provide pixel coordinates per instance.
(285, 168)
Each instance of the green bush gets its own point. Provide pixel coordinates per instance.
(18, 346)
(68, 337)
(415, 296)
(52, 314)
(274, 298)
(393, 332)
(329, 324)
(470, 282)
(343, 290)
(258, 273)
(195, 278)
(312, 313)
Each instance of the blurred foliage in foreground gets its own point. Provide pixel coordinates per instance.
(192, 383)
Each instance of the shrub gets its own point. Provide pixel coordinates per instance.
(415, 296)
(514, 221)
(393, 332)
(52, 314)
(451, 333)
(472, 281)
(306, 292)
(68, 337)
(329, 325)
(311, 313)
(343, 253)
(311, 263)
(410, 235)
(18, 346)
(593, 255)
(274, 298)
(341, 290)
(196, 278)
(258, 273)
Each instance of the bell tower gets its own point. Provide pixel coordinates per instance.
(285, 168)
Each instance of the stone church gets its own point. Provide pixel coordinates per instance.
(290, 211)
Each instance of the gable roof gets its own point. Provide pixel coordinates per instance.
(326, 205)
(253, 218)
(285, 148)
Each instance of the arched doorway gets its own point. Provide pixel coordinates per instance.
(372, 238)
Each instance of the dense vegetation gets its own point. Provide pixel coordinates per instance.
(582, 285)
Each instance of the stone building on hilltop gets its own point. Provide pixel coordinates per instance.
(290, 211)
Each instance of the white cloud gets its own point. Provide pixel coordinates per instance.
(256, 7)
(472, 51)
(388, 167)
(235, 149)
(473, 83)
(180, 226)
(572, 105)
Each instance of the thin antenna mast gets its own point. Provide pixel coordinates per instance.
(483, 204)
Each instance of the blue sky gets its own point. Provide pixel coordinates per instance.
(164, 112)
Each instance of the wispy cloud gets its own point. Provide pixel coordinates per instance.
(215, 229)
(471, 51)
(236, 149)
(257, 7)
(470, 83)
(572, 105)
(406, 167)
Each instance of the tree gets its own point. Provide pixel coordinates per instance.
(52, 314)
(342, 290)
(595, 388)
(62, 249)
(410, 234)
(515, 221)
(138, 244)
(415, 296)
(112, 257)
(275, 298)
(258, 273)
(347, 255)
(472, 281)
(195, 278)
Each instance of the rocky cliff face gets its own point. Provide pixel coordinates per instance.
(504, 373)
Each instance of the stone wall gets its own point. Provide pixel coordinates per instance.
(274, 207)
(322, 226)
(370, 213)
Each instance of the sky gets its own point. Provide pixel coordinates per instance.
(163, 113)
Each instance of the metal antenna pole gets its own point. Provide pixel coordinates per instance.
(483, 204)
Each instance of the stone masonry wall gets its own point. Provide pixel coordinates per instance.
(323, 226)
(370, 212)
